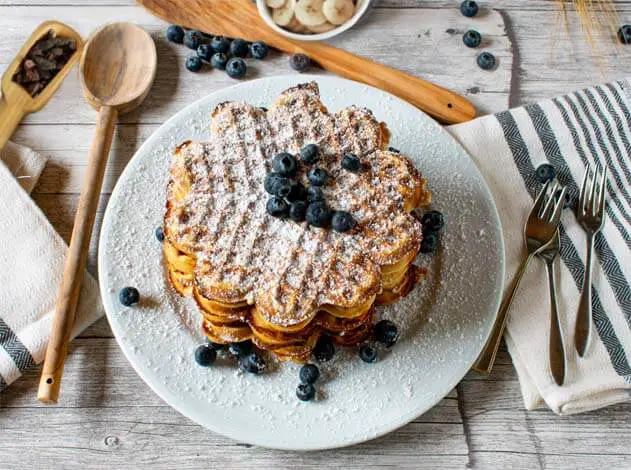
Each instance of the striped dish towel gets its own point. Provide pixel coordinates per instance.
(32, 257)
(589, 127)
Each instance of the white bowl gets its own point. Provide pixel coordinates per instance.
(266, 14)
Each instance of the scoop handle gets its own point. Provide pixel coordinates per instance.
(76, 258)
(10, 117)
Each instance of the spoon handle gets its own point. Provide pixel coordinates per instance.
(10, 117)
(76, 258)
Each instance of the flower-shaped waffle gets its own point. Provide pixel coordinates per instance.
(276, 281)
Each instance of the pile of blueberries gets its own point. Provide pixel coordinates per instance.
(472, 38)
(218, 52)
(290, 199)
(247, 357)
(432, 222)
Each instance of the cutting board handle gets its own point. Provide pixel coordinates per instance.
(10, 117)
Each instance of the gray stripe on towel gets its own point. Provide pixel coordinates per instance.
(14, 347)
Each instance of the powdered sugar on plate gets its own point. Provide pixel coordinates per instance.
(444, 321)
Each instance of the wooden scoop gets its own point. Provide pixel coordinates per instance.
(16, 102)
(118, 66)
(240, 18)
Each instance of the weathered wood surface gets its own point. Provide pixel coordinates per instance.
(109, 418)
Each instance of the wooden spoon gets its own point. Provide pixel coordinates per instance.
(118, 66)
(239, 18)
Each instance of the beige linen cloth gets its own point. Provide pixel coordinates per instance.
(32, 257)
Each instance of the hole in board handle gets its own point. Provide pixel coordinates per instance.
(49, 380)
(449, 105)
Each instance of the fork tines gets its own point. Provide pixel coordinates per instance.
(591, 201)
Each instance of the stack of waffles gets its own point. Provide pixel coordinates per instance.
(281, 283)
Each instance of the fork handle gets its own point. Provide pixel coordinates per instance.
(583, 329)
(485, 360)
(557, 351)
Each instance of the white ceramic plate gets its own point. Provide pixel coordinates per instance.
(444, 322)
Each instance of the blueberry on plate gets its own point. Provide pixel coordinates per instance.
(252, 363)
(192, 39)
(486, 61)
(259, 50)
(263, 108)
(368, 353)
(205, 355)
(160, 234)
(285, 164)
(393, 150)
(318, 214)
(236, 68)
(309, 373)
(306, 392)
(175, 33)
(324, 349)
(283, 188)
(310, 153)
(241, 348)
(429, 242)
(351, 162)
(472, 38)
(546, 172)
(193, 63)
(270, 182)
(298, 211)
(277, 207)
(297, 192)
(128, 296)
(219, 60)
(205, 52)
(314, 194)
(239, 48)
(432, 221)
(624, 34)
(220, 44)
(342, 221)
(300, 62)
(469, 8)
(386, 333)
(318, 176)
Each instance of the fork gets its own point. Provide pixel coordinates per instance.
(542, 223)
(557, 350)
(590, 214)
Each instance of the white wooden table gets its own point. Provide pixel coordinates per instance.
(108, 417)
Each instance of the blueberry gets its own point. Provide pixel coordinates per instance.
(429, 243)
(259, 50)
(486, 61)
(298, 211)
(220, 44)
(569, 202)
(368, 353)
(324, 349)
(252, 363)
(469, 8)
(297, 192)
(314, 194)
(217, 346)
(309, 373)
(300, 62)
(263, 108)
(193, 63)
(205, 355)
(472, 38)
(342, 221)
(240, 349)
(239, 48)
(192, 39)
(310, 153)
(318, 214)
(285, 164)
(283, 188)
(128, 296)
(271, 180)
(175, 33)
(351, 162)
(306, 392)
(160, 234)
(277, 207)
(386, 332)
(205, 52)
(236, 68)
(624, 34)
(546, 172)
(393, 150)
(206, 36)
(318, 176)
(219, 60)
(432, 221)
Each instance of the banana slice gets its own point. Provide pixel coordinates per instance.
(274, 3)
(296, 26)
(284, 15)
(338, 11)
(323, 28)
(309, 12)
